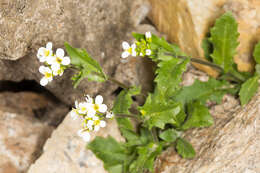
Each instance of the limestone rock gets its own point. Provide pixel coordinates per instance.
(66, 152)
(26, 121)
(97, 25)
(186, 22)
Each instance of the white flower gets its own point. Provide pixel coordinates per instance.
(148, 52)
(110, 115)
(84, 135)
(90, 124)
(148, 35)
(58, 72)
(83, 107)
(99, 106)
(128, 50)
(59, 60)
(48, 76)
(98, 124)
(45, 52)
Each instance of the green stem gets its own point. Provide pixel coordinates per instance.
(118, 83)
(236, 75)
(154, 134)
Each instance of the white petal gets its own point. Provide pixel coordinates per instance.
(125, 54)
(85, 136)
(97, 128)
(80, 132)
(102, 108)
(148, 35)
(76, 104)
(42, 69)
(50, 60)
(109, 115)
(90, 122)
(95, 118)
(44, 81)
(91, 113)
(148, 52)
(65, 61)
(99, 99)
(133, 53)
(60, 53)
(43, 59)
(125, 45)
(55, 66)
(48, 70)
(133, 46)
(49, 45)
(102, 123)
(89, 99)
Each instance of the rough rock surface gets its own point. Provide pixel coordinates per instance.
(186, 22)
(230, 145)
(66, 152)
(25, 124)
(97, 25)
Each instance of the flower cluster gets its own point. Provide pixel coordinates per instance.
(55, 64)
(139, 48)
(92, 113)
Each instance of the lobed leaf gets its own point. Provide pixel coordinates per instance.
(112, 153)
(199, 116)
(89, 68)
(185, 149)
(248, 89)
(169, 135)
(257, 53)
(224, 37)
(212, 90)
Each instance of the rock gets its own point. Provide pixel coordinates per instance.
(66, 152)
(37, 106)
(26, 121)
(97, 25)
(187, 22)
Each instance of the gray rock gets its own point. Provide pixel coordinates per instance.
(97, 25)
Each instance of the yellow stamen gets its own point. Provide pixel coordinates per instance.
(46, 53)
(58, 60)
(96, 107)
(47, 75)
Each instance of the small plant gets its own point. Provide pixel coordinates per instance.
(169, 110)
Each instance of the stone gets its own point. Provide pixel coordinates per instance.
(66, 152)
(187, 22)
(96, 25)
(26, 121)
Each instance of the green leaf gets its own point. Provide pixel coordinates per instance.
(122, 105)
(248, 89)
(146, 157)
(185, 149)
(257, 53)
(224, 37)
(89, 68)
(199, 116)
(169, 75)
(157, 114)
(112, 153)
(212, 90)
(169, 135)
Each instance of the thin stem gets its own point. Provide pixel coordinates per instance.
(234, 74)
(118, 83)
(154, 134)
(136, 117)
